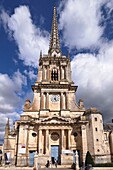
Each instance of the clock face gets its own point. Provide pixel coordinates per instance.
(55, 98)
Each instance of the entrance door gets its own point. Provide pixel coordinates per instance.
(54, 153)
(31, 158)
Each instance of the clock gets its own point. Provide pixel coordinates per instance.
(55, 98)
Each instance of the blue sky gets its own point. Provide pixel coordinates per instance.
(85, 30)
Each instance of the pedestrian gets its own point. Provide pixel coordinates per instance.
(55, 163)
(47, 164)
(50, 163)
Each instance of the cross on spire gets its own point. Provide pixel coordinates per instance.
(54, 44)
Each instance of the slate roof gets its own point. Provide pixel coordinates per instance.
(108, 126)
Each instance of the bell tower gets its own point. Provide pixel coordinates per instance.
(54, 90)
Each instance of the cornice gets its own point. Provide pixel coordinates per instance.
(51, 58)
(54, 86)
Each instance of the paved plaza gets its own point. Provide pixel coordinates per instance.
(28, 168)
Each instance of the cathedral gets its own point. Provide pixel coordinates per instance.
(54, 126)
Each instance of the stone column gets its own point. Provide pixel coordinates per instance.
(40, 142)
(27, 144)
(47, 101)
(62, 138)
(42, 100)
(39, 74)
(69, 138)
(45, 73)
(62, 101)
(67, 100)
(62, 73)
(84, 142)
(47, 141)
(48, 73)
(67, 73)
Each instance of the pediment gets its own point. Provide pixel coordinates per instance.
(55, 120)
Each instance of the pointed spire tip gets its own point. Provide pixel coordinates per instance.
(54, 37)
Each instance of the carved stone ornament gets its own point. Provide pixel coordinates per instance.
(54, 136)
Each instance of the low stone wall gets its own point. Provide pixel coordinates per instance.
(66, 159)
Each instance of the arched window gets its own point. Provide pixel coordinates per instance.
(54, 74)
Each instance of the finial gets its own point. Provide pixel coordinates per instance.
(7, 121)
(54, 37)
(7, 128)
(68, 55)
(41, 54)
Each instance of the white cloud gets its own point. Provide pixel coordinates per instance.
(10, 98)
(93, 75)
(80, 23)
(30, 40)
(10, 90)
(31, 74)
(19, 80)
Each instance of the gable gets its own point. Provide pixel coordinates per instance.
(55, 119)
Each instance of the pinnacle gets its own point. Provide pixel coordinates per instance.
(54, 37)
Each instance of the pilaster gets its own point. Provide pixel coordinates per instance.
(48, 73)
(62, 138)
(42, 102)
(84, 142)
(62, 101)
(39, 74)
(69, 138)
(45, 73)
(67, 100)
(62, 73)
(47, 101)
(47, 141)
(40, 141)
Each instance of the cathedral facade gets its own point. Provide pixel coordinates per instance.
(54, 125)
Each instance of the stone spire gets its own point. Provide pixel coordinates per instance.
(54, 37)
(7, 128)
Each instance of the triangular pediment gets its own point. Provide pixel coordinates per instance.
(55, 119)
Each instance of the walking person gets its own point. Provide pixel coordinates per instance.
(50, 164)
(47, 164)
(55, 163)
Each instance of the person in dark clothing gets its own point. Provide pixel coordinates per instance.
(55, 163)
(47, 164)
